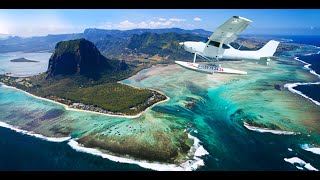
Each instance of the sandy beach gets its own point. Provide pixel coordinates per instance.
(66, 107)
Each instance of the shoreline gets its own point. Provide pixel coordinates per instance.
(265, 130)
(290, 86)
(192, 163)
(196, 151)
(31, 133)
(66, 107)
(311, 148)
(302, 163)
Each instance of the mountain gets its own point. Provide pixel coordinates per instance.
(80, 57)
(162, 46)
(34, 44)
(47, 43)
(79, 73)
(129, 33)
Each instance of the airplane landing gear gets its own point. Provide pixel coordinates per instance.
(194, 58)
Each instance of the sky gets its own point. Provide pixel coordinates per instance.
(38, 22)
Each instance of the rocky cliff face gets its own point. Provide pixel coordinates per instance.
(79, 57)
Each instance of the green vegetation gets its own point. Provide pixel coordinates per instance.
(165, 45)
(79, 76)
(115, 98)
(67, 46)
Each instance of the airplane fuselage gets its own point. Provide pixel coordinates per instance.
(217, 46)
(226, 52)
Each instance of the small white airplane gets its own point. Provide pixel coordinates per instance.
(217, 46)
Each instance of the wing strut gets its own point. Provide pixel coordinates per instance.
(194, 58)
(220, 46)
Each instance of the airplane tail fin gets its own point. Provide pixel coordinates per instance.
(269, 49)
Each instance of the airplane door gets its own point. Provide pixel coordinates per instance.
(212, 50)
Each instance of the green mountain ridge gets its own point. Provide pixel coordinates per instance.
(160, 45)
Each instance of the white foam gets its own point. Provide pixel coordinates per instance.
(289, 149)
(295, 160)
(299, 167)
(155, 166)
(186, 166)
(301, 162)
(189, 165)
(313, 72)
(290, 87)
(311, 168)
(310, 148)
(264, 130)
(314, 150)
(30, 133)
(201, 151)
(195, 131)
(307, 66)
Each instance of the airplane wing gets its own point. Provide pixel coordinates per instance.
(229, 31)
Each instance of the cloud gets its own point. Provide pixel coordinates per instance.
(197, 19)
(132, 25)
(127, 24)
(4, 25)
(162, 19)
(37, 25)
(176, 20)
(4, 28)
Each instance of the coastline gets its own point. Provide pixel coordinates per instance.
(66, 107)
(30, 133)
(196, 151)
(265, 130)
(311, 148)
(192, 163)
(290, 86)
(302, 163)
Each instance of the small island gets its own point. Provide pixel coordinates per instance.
(22, 60)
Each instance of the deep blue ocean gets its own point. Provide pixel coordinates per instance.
(313, 59)
(312, 91)
(23, 152)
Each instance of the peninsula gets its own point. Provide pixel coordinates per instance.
(81, 78)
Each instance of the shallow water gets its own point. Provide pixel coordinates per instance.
(23, 69)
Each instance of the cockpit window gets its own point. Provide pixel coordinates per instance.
(205, 40)
(217, 44)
